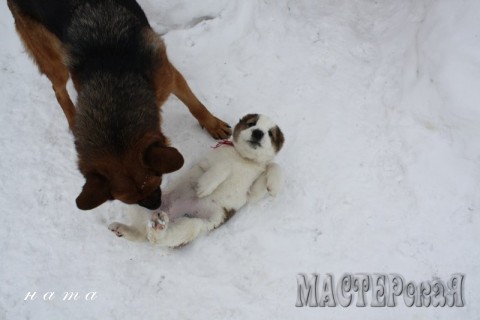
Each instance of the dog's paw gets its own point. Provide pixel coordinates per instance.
(117, 228)
(158, 221)
(217, 128)
(274, 179)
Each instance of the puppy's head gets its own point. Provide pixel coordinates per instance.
(257, 138)
(133, 178)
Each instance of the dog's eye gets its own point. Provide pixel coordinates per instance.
(251, 124)
(270, 133)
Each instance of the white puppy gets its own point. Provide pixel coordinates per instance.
(234, 173)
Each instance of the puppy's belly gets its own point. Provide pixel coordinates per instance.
(184, 202)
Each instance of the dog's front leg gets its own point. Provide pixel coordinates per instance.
(212, 178)
(217, 128)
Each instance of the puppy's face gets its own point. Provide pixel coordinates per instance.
(257, 138)
(134, 178)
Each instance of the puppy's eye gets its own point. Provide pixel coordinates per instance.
(270, 133)
(251, 124)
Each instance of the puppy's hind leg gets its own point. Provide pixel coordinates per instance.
(132, 232)
(184, 230)
(137, 230)
(176, 234)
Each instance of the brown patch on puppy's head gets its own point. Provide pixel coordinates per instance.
(247, 121)
(277, 138)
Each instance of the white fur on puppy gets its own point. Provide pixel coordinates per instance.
(206, 196)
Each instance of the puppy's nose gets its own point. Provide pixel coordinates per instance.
(257, 134)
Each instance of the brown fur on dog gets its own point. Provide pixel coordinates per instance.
(121, 72)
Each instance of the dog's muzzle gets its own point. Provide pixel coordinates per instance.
(153, 201)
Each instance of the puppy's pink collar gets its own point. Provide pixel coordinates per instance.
(223, 142)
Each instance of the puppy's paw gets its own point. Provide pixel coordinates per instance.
(118, 229)
(204, 190)
(158, 221)
(217, 128)
(156, 227)
(274, 179)
(273, 188)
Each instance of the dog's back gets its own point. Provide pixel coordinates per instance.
(53, 14)
(101, 35)
(57, 15)
(122, 75)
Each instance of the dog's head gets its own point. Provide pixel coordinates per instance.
(257, 138)
(133, 178)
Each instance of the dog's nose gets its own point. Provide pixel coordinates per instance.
(257, 134)
(153, 201)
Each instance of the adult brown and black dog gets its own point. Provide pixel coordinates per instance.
(120, 70)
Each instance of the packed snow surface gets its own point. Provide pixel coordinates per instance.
(379, 102)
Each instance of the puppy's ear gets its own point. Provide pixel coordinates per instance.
(95, 192)
(277, 138)
(162, 159)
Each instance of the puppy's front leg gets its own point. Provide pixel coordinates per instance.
(258, 189)
(274, 179)
(212, 178)
(271, 180)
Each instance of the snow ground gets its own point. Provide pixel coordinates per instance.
(378, 101)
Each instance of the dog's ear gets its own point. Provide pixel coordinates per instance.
(162, 159)
(95, 192)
